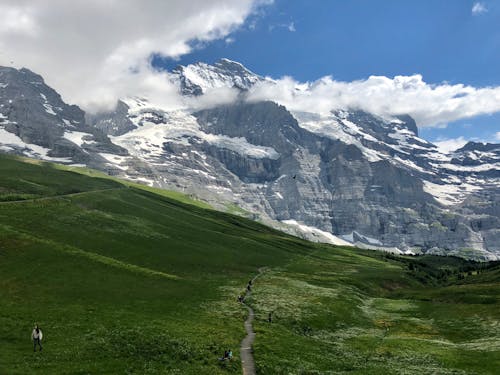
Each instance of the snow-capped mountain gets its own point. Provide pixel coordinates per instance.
(196, 79)
(346, 177)
(34, 121)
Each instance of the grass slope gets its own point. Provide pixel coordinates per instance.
(346, 312)
(128, 279)
(121, 279)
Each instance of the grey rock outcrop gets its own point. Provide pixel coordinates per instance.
(116, 122)
(37, 115)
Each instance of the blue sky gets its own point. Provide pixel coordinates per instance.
(443, 40)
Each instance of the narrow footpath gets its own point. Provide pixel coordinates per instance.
(246, 352)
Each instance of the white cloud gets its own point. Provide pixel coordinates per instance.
(497, 136)
(448, 145)
(229, 40)
(212, 97)
(289, 26)
(479, 8)
(16, 20)
(95, 51)
(430, 105)
(252, 25)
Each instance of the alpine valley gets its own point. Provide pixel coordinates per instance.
(348, 177)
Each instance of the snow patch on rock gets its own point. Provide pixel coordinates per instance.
(317, 234)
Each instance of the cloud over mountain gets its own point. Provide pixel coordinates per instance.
(428, 104)
(95, 51)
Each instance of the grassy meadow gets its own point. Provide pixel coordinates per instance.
(340, 311)
(126, 279)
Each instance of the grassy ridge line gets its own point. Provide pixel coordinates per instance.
(51, 167)
(158, 191)
(31, 200)
(91, 255)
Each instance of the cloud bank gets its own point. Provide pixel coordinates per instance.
(96, 51)
(428, 104)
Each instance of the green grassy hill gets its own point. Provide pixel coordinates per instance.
(125, 279)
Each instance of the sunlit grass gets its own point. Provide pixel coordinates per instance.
(147, 281)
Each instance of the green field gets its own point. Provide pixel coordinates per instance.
(125, 279)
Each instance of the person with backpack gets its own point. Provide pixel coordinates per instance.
(37, 336)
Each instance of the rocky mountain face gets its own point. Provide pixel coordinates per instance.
(35, 121)
(348, 177)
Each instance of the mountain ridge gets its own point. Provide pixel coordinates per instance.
(364, 179)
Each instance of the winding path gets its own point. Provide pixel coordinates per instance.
(247, 362)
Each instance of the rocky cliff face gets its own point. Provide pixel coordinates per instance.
(112, 123)
(35, 121)
(347, 177)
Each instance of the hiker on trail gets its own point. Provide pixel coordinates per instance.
(250, 282)
(249, 287)
(37, 336)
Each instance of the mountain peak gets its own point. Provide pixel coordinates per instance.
(22, 74)
(479, 146)
(231, 65)
(197, 78)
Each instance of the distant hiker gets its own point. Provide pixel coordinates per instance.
(270, 317)
(228, 354)
(37, 336)
(250, 282)
(249, 287)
